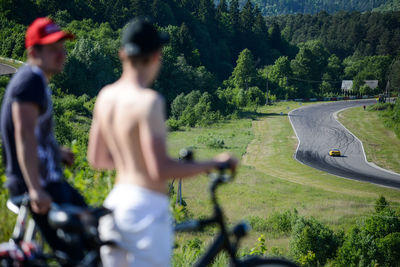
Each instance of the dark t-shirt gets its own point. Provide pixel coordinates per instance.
(29, 85)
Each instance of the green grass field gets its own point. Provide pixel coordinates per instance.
(381, 144)
(270, 180)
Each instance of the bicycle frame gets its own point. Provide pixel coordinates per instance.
(66, 219)
(22, 230)
(223, 241)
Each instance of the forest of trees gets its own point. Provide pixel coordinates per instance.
(221, 58)
(283, 7)
(227, 53)
(345, 34)
(393, 5)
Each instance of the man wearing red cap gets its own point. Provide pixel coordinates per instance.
(31, 154)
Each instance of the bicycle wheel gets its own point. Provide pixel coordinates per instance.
(268, 262)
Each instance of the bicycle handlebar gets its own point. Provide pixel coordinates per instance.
(186, 154)
(19, 200)
(192, 225)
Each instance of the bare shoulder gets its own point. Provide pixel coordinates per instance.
(104, 93)
(152, 98)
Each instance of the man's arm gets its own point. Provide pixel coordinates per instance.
(25, 115)
(153, 142)
(98, 154)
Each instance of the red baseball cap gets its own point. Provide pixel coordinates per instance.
(44, 31)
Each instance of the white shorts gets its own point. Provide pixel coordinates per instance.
(140, 225)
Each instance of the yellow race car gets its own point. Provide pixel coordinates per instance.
(334, 152)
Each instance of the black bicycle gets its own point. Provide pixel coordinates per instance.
(76, 226)
(227, 239)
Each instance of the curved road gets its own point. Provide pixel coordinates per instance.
(318, 132)
(6, 69)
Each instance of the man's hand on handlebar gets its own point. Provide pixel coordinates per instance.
(67, 156)
(226, 160)
(40, 201)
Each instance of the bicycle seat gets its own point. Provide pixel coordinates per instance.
(65, 217)
(73, 218)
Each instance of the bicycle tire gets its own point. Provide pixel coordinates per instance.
(267, 262)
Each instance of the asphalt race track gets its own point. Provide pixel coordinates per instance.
(318, 132)
(6, 69)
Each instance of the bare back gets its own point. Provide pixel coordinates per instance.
(129, 117)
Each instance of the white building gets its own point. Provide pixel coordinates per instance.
(347, 85)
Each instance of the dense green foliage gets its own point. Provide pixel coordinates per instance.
(279, 223)
(279, 7)
(313, 243)
(345, 34)
(352, 46)
(227, 50)
(375, 242)
(393, 5)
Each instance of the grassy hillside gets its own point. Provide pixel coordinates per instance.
(271, 181)
(381, 144)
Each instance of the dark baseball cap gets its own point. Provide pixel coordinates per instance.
(44, 31)
(140, 37)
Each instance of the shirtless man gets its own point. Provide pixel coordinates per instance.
(128, 134)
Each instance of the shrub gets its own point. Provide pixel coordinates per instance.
(194, 244)
(307, 258)
(389, 248)
(380, 106)
(309, 237)
(211, 141)
(358, 249)
(187, 254)
(178, 106)
(381, 204)
(180, 213)
(255, 96)
(375, 242)
(382, 223)
(188, 117)
(282, 222)
(173, 124)
(260, 248)
(366, 90)
(193, 109)
(278, 223)
(259, 224)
